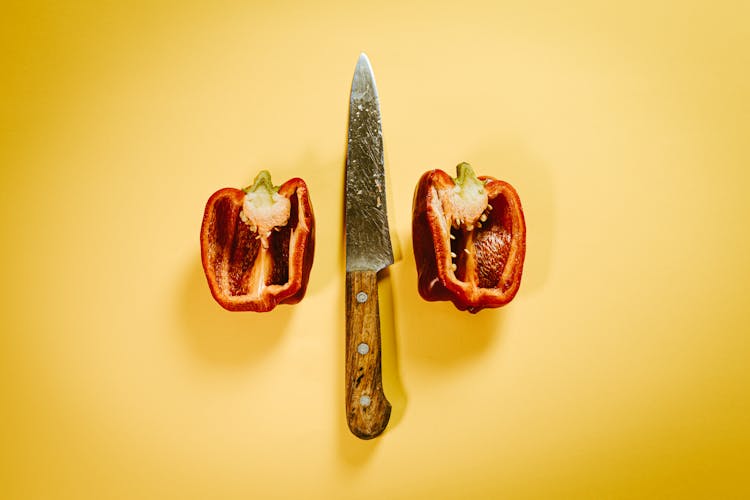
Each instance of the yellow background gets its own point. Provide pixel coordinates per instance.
(619, 371)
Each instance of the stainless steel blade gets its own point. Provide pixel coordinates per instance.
(368, 241)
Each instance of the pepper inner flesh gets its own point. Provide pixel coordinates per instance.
(248, 266)
(481, 253)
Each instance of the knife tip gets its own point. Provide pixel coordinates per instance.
(363, 60)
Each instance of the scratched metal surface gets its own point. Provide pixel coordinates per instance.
(368, 243)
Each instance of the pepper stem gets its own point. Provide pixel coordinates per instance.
(263, 208)
(262, 182)
(467, 182)
(468, 198)
(464, 172)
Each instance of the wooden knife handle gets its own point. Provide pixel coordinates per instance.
(367, 409)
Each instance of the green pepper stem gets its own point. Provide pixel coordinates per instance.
(262, 183)
(464, 173)
(263, 208)
(467, 198)
(467, 183)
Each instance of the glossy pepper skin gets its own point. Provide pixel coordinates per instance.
(257, 244)
(469, 239)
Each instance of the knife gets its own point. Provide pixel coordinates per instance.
(368, 250)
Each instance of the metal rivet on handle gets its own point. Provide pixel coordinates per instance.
(365, 401)
(363, 348)
(361, 297)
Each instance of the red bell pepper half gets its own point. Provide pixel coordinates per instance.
(257, 244)
(469, 238)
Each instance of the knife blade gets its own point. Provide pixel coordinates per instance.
(368, 250)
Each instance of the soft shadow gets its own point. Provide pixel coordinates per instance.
(512, 162)
(357, 452)
(342, 227)
(354, 451)
(436, 332)
(392, 385)
(221, 337)
(324, 181)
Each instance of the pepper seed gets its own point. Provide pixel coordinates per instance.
(361, 297)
